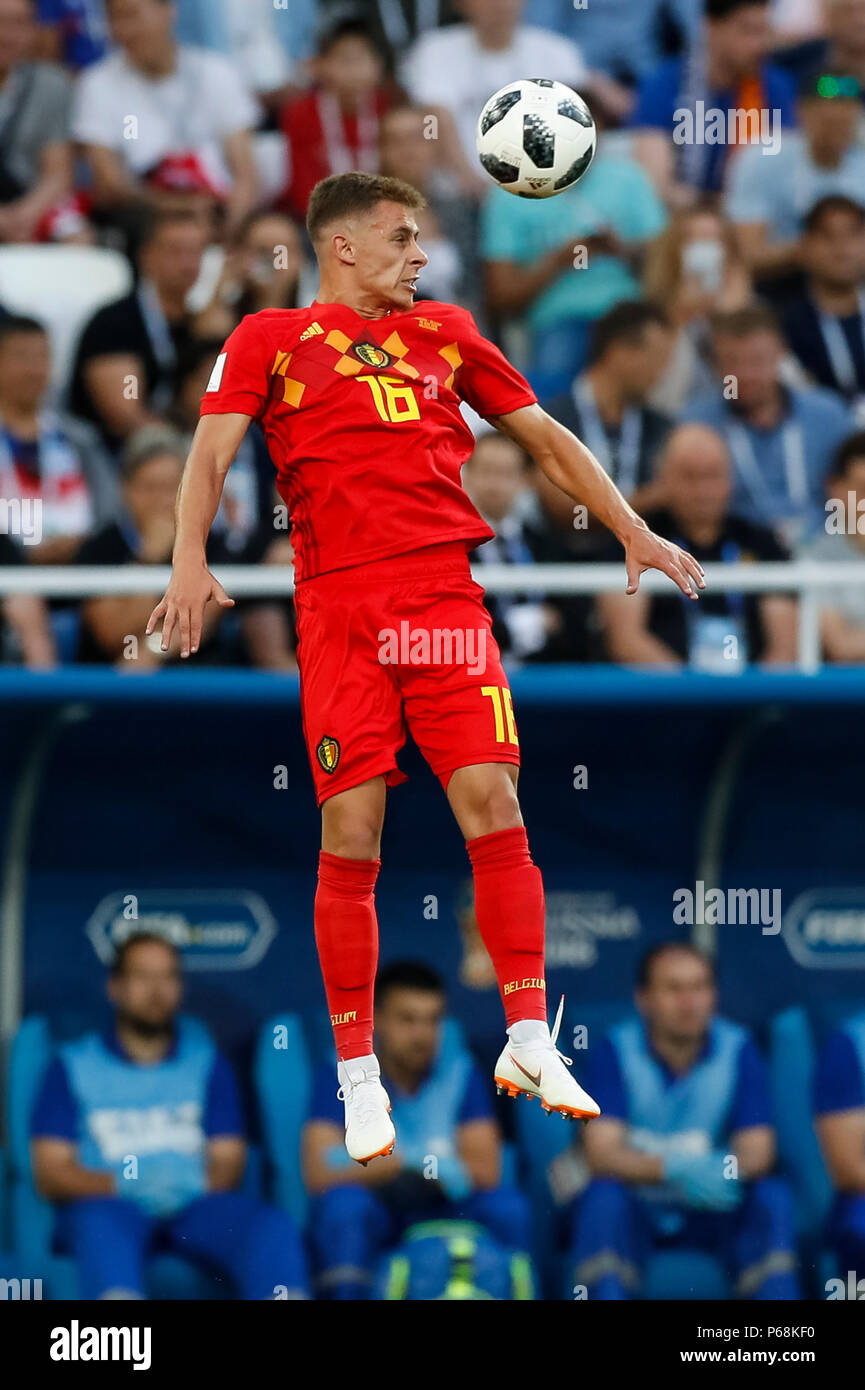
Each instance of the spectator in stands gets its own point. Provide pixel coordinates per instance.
(113, 626)
(395, 24)
(76, 33)
(795, 22)
(71, 32)
(246, 507)
(561, 263)
(606, 406)
(839, 1107)
(35, 153)
(448, 230)
(726, 630)
(335, 127)
(683, 1151)
(768, 199)
(448, 1160)
(125, 371)
(842, 541)
(725, 80)
(157, 115)
(694, 271)
(451, 72)
(782, 440)
(825, 327)
(842, 49)
(139, 1139)
(251, 41)
(53, 465)
(297, 26)
(496, 478)
(263, 270)
(617, 38)
(25, 631)
(555, 529)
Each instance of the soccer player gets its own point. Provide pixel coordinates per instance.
(359, 399)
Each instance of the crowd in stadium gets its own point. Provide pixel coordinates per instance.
(693, 309)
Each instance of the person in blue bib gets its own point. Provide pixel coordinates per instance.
(683, 1151)
(448, 1158)
(138, 1137)
(839, 1105)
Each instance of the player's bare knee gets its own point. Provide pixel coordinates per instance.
(351, 835)
(488, 806)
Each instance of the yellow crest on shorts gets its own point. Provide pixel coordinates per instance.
(327, 753)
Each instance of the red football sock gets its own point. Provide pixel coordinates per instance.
(509, 906)
(346, 933)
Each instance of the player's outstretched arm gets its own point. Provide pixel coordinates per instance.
(214, 445)
(572, 467)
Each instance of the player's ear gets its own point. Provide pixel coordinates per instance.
(343, 249)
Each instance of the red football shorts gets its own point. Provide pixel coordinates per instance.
(399, 646)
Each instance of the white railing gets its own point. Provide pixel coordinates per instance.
(804, 578)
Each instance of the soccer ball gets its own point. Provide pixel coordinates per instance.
(536, 137)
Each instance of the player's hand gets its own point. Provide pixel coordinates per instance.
(646, 551)
(188, 594)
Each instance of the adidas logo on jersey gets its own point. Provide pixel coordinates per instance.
(311, 331)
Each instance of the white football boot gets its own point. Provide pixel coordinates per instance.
(531, 1065)
(369, 1131)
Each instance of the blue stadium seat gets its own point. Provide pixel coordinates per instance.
(32, 1218)
(282, 1076)
(792, 1060)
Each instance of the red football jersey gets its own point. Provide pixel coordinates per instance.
(362, 420)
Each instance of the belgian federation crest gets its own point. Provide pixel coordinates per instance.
(372, 355)
(327, 753)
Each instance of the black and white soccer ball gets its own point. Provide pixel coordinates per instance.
(536, 137)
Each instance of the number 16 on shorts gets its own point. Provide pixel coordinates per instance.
(503, 710)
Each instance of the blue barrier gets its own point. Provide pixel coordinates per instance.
(161, 789)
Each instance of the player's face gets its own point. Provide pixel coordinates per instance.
(679, 1000)
(147, 993)
(387, 257)
(407, 1027)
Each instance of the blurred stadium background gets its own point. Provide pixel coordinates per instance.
(693, 310)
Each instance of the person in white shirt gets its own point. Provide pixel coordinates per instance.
(453, 71)
(157, 115)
